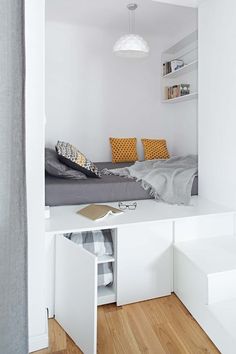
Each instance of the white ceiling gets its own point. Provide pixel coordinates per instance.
(190, 3)
(151, 17)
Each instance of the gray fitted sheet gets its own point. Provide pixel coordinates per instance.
(60, 191)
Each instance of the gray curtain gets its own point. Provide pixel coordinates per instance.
(13, 232)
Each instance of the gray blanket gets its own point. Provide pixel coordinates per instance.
(166, 180)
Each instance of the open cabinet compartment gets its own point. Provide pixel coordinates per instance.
(77, 294)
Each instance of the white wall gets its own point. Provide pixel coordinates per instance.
(91, 94)
(217, 104)
(35, 111)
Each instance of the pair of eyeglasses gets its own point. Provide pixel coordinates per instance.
(129, 206)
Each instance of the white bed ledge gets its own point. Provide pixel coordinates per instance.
(64, 218)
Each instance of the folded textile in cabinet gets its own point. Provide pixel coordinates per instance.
(98, 242)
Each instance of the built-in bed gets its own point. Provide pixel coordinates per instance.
(108, 188)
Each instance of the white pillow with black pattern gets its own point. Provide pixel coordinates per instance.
(72, 157)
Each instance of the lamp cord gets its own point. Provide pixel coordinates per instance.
(132, 21)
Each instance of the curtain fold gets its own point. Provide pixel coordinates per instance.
(13, 223)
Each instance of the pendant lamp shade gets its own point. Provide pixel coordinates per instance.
(131, 45)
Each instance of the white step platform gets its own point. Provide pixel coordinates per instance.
(205, 281)
(225, 313)
(215, 261)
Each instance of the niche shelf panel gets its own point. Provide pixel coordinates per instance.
(184, 70)
(189, 97)
(187, 51)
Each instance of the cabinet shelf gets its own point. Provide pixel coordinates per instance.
(105, 259)
(184, 70)
(189, 97)
(106, 295)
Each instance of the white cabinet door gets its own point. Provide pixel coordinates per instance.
(50, 273)
(144, 261)
(76, 293)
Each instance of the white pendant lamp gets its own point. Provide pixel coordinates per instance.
(131, 45)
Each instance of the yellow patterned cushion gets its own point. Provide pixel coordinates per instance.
(124, 149)
(155, 149)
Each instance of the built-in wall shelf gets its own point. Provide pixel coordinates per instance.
(189, 97)
(183, 43)
(184, 70)
(179, 85)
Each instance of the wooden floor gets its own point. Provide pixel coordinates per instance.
(156, 326)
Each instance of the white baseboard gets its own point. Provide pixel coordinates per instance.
(41, 341)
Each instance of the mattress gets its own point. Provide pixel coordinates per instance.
(60, 191)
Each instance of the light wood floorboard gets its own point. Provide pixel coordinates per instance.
(153, 327)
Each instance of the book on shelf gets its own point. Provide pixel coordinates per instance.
(171, 66)
(97, 212)
(176, 91)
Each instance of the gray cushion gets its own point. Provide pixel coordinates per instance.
(73, 158)
(56, 168)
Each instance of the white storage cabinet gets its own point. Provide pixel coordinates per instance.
(142, 266)
(144, 262)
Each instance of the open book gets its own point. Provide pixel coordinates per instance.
(98, 212)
